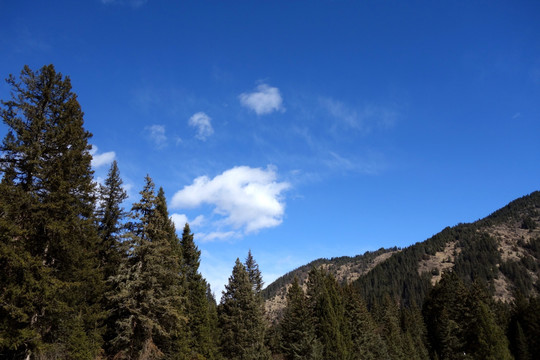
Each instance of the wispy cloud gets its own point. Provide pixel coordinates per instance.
(247, 199)
(157, 135)
(370, 164)
(264, 100)
(202, 123)
(99, 160)
(217, 236)
(363, 119)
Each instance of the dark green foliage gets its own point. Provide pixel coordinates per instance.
(528, 223)
(254, 273)
(519, 276)
(147, 291)
(361, 262)
(49, 240)
(460, 322)
(366, 341)
(479, 257)
(200, 304)
(110, 216)
(414, 332)
(328, 311)
(298, 340)
(241, 318)
(525, 206)
(524, 328)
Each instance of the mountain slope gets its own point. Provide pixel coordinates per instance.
(501, 250)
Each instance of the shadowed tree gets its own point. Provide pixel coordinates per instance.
(147, 292)
(199, 306)
(240, 318)
(48, 222)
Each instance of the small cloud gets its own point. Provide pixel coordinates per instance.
(180, 221)
(217, 236)
(157, 135)
(99, 160)
(264, 100)
(247, 198)
(201, 122)
(516, 115)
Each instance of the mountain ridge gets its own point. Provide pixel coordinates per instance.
(501, 250)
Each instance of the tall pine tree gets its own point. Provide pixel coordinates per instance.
(298, 340)
(240, 319)
(111, 217)
(147, 291)
(48, 220)
(199, 307)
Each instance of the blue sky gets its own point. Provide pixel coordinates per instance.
(299, 129)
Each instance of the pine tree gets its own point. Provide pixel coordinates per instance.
(47, 177)
(391, 329)
(199, 306)
(254, 273)
(328, 312)
(110, 216)
(147, 290)
(240, 319)
(366, 341)
(298, 340)
(415, 333)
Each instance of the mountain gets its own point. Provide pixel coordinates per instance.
(502, 251)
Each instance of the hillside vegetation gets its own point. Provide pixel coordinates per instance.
(501, 251)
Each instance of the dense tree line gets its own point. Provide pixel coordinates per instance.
(82, 278)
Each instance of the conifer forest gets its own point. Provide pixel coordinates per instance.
(81, 277)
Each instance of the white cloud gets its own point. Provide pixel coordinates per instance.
(247, 198)
(201, 121)
(264, 100)
(157, 135)
(180, 221)
(99, 160)
(217, 235)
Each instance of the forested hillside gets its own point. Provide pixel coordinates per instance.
(500, 250)
(83, 278)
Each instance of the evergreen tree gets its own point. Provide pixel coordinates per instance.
(415, 333)
(199, 306)
(366, 341)
(147, 290)
(391, 329)
(48, 220)
(110, 216)
(298, 340)
(328, 312)
(168, 225)
(240, 319)
(254, 273)
(461, 324)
